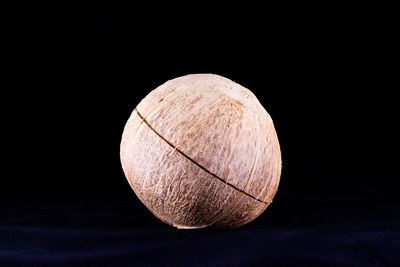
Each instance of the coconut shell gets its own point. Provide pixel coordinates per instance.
(199, 151)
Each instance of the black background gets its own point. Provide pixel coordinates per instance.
(321, 76)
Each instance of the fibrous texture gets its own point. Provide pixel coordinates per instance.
(199, 151)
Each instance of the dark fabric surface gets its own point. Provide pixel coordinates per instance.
(358, 227)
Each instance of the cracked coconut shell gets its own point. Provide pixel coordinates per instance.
(199, 151)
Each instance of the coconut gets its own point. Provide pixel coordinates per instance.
(199, 151)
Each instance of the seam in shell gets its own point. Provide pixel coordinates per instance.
(197, 164)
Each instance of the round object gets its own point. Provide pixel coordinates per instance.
(199, 151)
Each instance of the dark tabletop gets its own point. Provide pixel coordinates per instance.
(359, 228)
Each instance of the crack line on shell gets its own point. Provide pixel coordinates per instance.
(194, 162)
